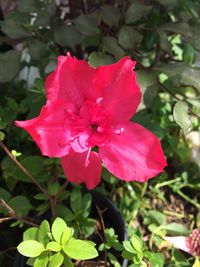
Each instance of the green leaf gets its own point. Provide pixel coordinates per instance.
(127, 245)
(148, 85)
(195, 36)
(176, 229)
(138, 257)
(156, 260)
(14, 25)
(86, 204)
(30, 248)
(2, 136)
(113, 260)
(180, 259)
(190, 7)
(68, 262)
(111, 46)
(76, 200)
(87, 25)
(30, 234)
(41, 196)
(137, 243)
(50, 8)
(54, 246)
(31, 261)
(58, 227)
(157, 217)
(168, 3)
(67, 35)
(15, 153)
(128, 38)
(127, 255)
(37, 49)
(53, 188)
(80, 250)
(177, 27)
(110, 15)
(65, 213)
(197, 262)
(34, 165)
(97, 59)
(5, 195)
(164, 42)
(9, 65)
(20, 205)
(45, 15)
(181, 116)
(66, 235)
(90, 41)
(182, 74)
(42, 260)
(43, 231)
(56, 260)
(25, 6)
(136, 11)
(42, 20)
(191, 77)
(189, 53)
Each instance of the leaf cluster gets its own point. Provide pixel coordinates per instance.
(55, 246)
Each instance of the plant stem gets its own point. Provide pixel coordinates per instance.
(13, 215)
(23, 169)
(59, 193)
(188, 199)
(5, 219)
(177, 98)
(100, 213)
(159, 185)
(144, 188)
(6, 250)
(174, 214)
(33, 179)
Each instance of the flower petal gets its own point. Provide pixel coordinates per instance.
(72, 81)
(179, 242)
(133, 155)
(47, 130)
(120, 92)
(114, 85)
(80, 143)
(76, 171)
(52, 82)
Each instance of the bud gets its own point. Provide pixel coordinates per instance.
(193, 242)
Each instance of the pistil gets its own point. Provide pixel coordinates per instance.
(87, 157)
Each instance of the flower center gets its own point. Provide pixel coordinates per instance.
(94, 127)
(88, 127)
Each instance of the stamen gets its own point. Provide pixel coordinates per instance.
(99, 100)
(100, 129)
(118, 131)
(87, 157)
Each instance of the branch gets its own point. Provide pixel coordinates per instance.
(13, 215)
(59, 193)
(33, 179)
(177, 98)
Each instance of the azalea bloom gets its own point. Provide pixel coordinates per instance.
(89, 108)
(189, 244)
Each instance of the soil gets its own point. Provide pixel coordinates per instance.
(175, 207)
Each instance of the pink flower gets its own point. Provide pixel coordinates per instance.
(91, 107)
(189, 244)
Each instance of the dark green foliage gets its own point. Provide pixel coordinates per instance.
(163, 37)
